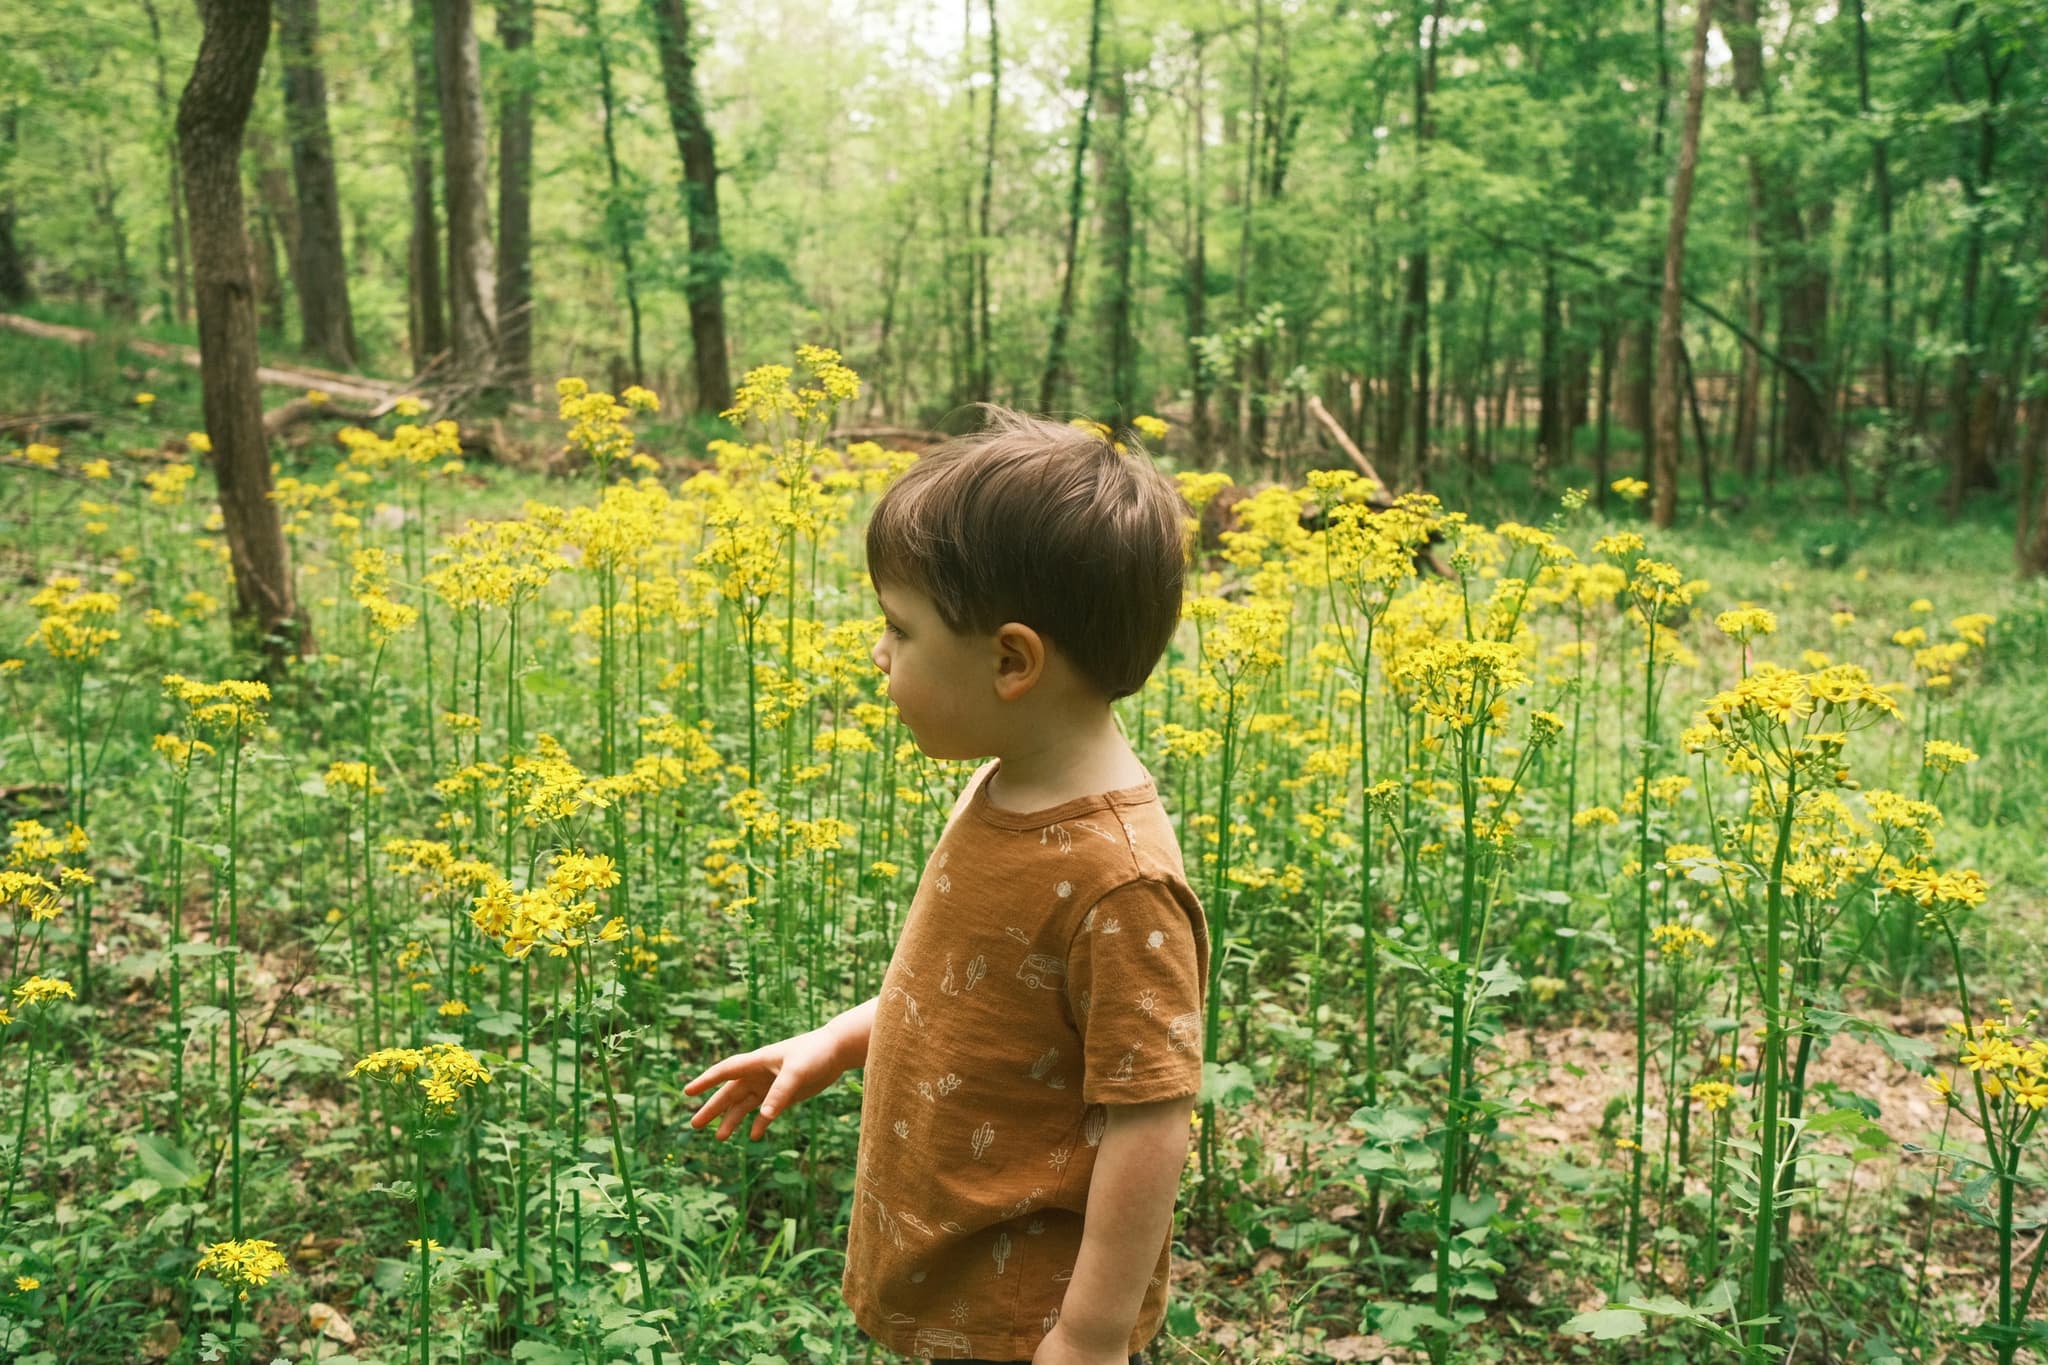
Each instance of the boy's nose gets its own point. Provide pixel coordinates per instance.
(880, 655)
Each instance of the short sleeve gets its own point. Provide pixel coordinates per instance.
(1137, 972)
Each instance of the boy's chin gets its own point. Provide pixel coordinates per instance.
(948, 751)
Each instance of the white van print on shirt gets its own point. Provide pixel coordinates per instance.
(939, 1343)
(1042, 972)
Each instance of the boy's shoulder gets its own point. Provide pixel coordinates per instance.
(1120, 836)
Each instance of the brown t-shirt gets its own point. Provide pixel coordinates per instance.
(1051, 963)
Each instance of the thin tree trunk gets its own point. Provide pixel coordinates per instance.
(1669, 338)
(2032, 539)
(964, 252)
(620, 216)
(181, 277)
(1415, 321)
(1056, 349)
(984, 244)
(117, 292)
(515, 194)
(1970, 467)
(427, 329)
(1600, 437)
(14, 282)
(1551, 424)
(1197, 255)
(1114, 171)
(1247, 202)
(705, 288)
(1881, 188)
(211, 116)
(465, 170)
(1702, 448)
(319, 270)
(277, 235)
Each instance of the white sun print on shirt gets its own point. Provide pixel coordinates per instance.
(1148, 1003)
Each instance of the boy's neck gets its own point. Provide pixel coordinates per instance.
(1052, 764)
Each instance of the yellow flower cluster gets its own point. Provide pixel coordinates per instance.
(348, 776)
(370, 586)
(2007, 1067)
(167, 485)
(70, 626)
(441, 1071)
(1714, 1095)
(1680, 941)
(41, 990)
(223, 708)
(554, 915)
(243, 1265)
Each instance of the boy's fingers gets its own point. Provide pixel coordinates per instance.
(712, 1107)
(717, 1071)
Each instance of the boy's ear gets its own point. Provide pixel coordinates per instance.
(1019, 658)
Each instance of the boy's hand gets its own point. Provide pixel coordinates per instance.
(772, 1077)
(1058, 1348)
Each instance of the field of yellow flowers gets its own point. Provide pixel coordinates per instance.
(346, 1011)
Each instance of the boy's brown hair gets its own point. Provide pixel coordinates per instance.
(1035, 521)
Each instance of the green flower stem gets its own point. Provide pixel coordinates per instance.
(1758, 1336)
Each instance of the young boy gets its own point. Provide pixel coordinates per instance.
(1036, 1048)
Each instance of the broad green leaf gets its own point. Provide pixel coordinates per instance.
(1607, 1324)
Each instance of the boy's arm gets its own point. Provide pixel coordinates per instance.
(849, 1034)
(1130, 1210)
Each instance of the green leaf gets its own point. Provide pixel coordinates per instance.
(1226, 1083)
(632, 1335)
(1608, 1324)
(166, 1162)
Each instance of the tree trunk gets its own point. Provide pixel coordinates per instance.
(1600, 437)
(984, 243)
(1056, 348)
(181, 279)
(14, 285)
(1552, 443)
(1113, 169)
(1197, 255)
(276, 239)
(2032, 542)
(427, 328)
(320, 270)
(1415, 319)
(1881, 189)
(117, 288)
(515, 194)
(705, 289)
(1970, 467)
(1669, 340)
(211, 116)
(465, 171)
(620, 216)
(1247, 201)
(1745, 45)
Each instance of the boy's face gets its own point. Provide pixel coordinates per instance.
(941, 682)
